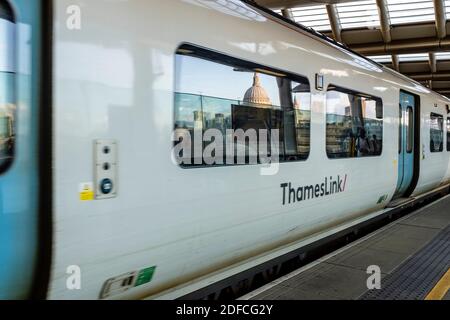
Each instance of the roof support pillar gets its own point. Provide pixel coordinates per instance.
(432, 62)
(439, 12)
(334, 22)
(383, 13)
(395, 62)
(287, 13)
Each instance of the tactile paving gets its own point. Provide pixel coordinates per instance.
(413, 279)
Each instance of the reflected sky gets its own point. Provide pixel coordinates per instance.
(7, 45)
(339, 103)
(201, 77)
(197, 76)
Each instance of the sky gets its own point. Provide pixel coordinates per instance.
(198, 76)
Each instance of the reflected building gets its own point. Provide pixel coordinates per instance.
(256, 94)
(198, 119)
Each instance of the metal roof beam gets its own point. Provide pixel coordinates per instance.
(385, 26)
(417, 45)
(446, 82)
(334, 22)
(283, 4)
(443, 91)
(439, 12)
(440, 76)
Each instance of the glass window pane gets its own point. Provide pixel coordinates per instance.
(354, 124)
(315, 17)
(7, 86)
(358, 14)
(410, 11)
(410, 129)
(400, 126)
(302, 118)
(413, 57)
(447, 7)
(436, 132)
(443, 55)
(381, 58)
(226, 96)
(448, 134)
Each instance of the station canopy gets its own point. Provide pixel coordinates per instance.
(410, 36)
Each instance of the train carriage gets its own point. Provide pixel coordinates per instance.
(100, 88)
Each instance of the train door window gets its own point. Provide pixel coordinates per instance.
(354, 124)
(436, 132)
(217, 95)
(409, 129)
(7, 85)
(400, 119)
(448, 134)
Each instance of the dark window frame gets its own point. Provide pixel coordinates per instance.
(438, 116)
(345, 90)
(448, 133)
(214, 56)
(7, 13)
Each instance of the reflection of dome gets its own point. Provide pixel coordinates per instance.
(257, 94)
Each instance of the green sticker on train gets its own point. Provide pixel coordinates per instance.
(145, 276)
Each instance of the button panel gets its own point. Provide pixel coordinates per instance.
(105, 153)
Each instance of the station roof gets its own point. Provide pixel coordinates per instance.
(410, 36)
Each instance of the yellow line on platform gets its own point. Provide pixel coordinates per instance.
(441, 288)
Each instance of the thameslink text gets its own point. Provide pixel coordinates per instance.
(329, 186)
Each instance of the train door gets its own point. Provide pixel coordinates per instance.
(20, 154)
(406, 143)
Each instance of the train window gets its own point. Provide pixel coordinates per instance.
(448, 134)
(354, 124)
(409, 129)
(7, 85)
(436, 132)
(224, 97)
(400, 119)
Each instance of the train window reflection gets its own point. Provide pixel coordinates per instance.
(400, 124)
(217, 92)
(354, 124)
(448, 134)
(410, 130)
(436, 132)
(7, 86)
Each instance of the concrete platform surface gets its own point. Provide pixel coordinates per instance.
(412, 254)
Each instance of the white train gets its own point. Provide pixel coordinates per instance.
(93, 205)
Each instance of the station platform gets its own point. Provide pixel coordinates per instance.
(412, 253)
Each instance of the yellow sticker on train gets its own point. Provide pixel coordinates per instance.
(86, 191)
